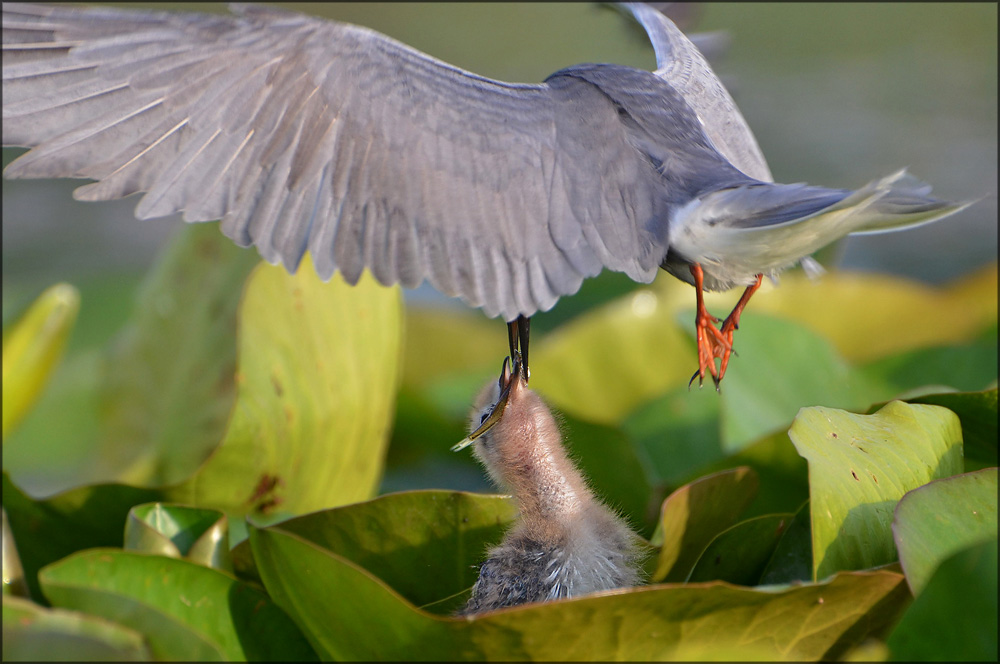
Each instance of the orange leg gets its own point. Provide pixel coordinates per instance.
(732, 322)
(711, 342)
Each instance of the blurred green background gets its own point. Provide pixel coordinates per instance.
(837, 94)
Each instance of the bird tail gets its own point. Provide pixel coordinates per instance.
(767, 227)
(899, 201)
(894, 202)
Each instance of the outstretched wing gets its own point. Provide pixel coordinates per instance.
(305, 134)
(680, 63)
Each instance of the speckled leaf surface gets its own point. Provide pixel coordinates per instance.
(859, 468)
(781, 367)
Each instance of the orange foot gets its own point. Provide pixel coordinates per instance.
(712, 342)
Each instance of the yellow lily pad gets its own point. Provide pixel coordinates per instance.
(318, 370)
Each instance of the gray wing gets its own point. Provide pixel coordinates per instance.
(680, 63)
(305, 134)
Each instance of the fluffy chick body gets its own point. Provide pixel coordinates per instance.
(565, 542)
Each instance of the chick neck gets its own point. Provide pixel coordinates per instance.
(524, 455)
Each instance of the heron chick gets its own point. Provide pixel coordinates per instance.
(565, 543)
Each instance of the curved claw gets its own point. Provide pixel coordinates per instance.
(711, 344)
(698, 374)
(714, 342)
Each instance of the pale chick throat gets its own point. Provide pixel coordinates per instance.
(523, 454)
(565, 542)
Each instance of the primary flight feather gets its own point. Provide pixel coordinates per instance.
(303, 134)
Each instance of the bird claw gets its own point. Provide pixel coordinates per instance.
(715, 342)
(712, 343)
(700, 376)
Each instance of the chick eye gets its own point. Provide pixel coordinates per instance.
(486, 413)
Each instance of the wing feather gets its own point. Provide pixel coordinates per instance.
(681, 64)
(304, 134)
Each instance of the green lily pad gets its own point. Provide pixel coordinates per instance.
(782, 366)
(942, 517)
(32, 347)
(955, 617)
(422, 428)
(859, 468)
(677, 434)
(149, 407)
(169, 387)
(419, 455)
(740, 554)
(50, 529)
(34, 633)
(606, 287)
(441, 341)
(978, 414)
(14, 583)
(783, 475)
(612, 469)
(443, 534)
(694, 514)
(186, 611)
(791, 559)
(200, 535)
(855, 310)
(316, 384)
(318, 371)
(969, 366)
(804, 622)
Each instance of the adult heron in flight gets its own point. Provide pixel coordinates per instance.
(307, 134)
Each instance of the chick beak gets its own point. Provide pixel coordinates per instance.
(509, 375)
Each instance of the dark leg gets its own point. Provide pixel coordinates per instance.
(517, 338)
(523, 330)
(512, 336)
